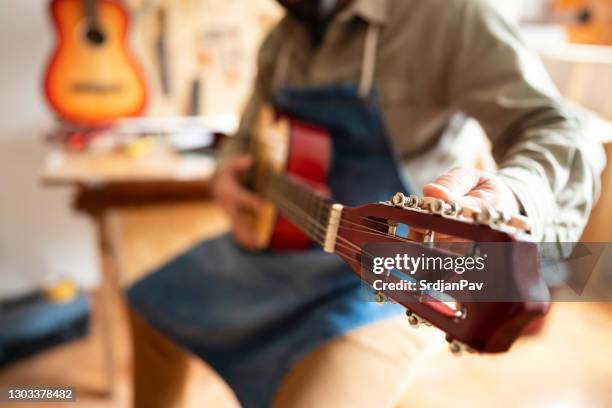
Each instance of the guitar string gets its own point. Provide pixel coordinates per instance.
(351, 246)
(340, 245)
(339, 240)
(364, 228)
(292, 184)
(268, 145)
(303, 216)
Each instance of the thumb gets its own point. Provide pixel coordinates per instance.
(453, 185)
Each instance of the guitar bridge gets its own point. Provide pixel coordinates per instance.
(331, 232)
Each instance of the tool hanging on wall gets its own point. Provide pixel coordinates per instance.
(161, 48)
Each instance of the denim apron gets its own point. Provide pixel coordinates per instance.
(252, 316)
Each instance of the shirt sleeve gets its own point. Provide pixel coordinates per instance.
(542, 144)
(260, 95)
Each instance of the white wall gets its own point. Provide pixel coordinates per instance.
(40, 236)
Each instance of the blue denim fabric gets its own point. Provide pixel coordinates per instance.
(252, 316)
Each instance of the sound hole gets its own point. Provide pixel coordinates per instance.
(95, 36)
(584, 16)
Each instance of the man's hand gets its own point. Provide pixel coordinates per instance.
(469, 187)
(476, 188)
(236, 200)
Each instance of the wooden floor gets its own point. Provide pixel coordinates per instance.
(569, 364)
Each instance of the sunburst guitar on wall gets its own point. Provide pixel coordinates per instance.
(92, 77)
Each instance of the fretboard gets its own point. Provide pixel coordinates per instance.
(91, 12)
(305, 208)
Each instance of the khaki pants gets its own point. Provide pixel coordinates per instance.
(370, 366)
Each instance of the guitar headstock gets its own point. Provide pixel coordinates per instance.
(486, 322)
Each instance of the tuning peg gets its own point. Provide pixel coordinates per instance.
(398, 199)
(520, 222)
(486, 216)
(452, 209)
(414, 320)
(460, 314)
(380, 298)
(414, 201)
(454, 346)
(469, 212)
(433, 205)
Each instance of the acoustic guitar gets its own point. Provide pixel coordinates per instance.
(588, 21)
(92, 77)
(292, 160)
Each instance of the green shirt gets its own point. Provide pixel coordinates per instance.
(437, 62)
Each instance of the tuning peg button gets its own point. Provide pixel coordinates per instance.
(380, 298)
(398, 199)
(455, 346)
(413, 319)
(452, 209)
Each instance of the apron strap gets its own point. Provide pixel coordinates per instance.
(368, 64)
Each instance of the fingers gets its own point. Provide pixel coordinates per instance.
(239, 164)
(236, 200)
(453, 185)
(229, 190)
(238, 196)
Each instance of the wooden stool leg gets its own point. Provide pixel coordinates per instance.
(105, 302)
(160, 368)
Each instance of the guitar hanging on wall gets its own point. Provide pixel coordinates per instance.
(292, 161)
(92, 77)
(587, 21)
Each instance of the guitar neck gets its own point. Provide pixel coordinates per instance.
(305, 208)
(91, 12)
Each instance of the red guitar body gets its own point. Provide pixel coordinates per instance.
(308, 160)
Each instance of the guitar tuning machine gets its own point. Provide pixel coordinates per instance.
(416, 320)
(380, 298)
(457, 348)
(460, 314)
(488, 216)
(401, 200)
(452, 209)
(398, 199)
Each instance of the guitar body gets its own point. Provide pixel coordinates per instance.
(301, 151)
(92, 77)
(596, 29)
